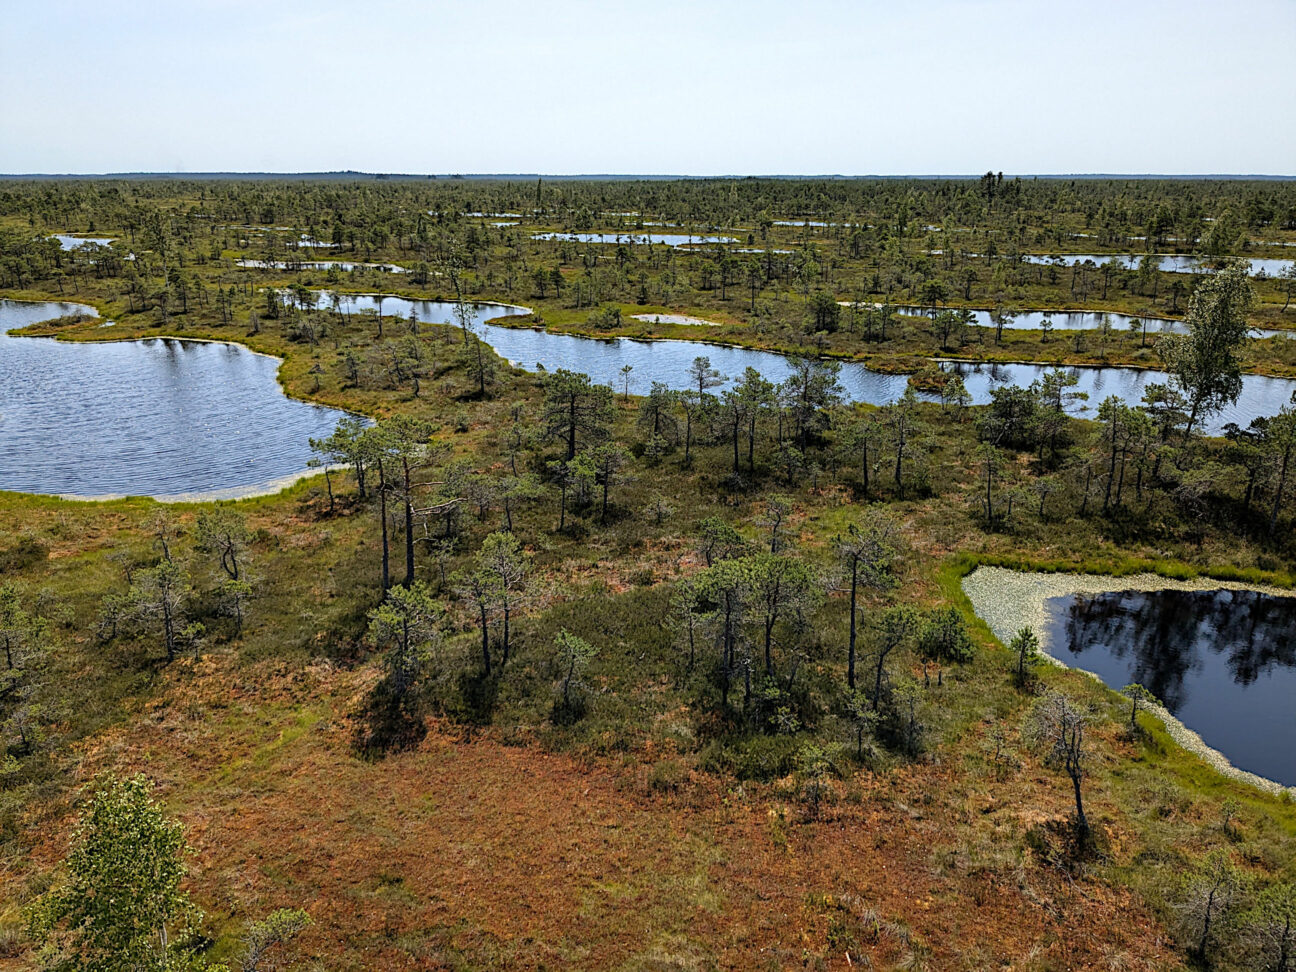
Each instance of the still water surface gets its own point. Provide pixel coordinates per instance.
(1223, 662)
(668, 362)
(670, 239)
(158, 417)
(346, 265)
(163, 417)
(68, 242)
(1079, 320)
(1171, 263)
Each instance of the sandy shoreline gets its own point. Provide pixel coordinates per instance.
(268, 488)
(1008, 600)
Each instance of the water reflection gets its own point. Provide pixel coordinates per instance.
(670, 239)
(1074, 320)
(69, 242)
(157, 417)
(1169, 262)
(1260, 395)
(1223, 662)
(668, 361)
(346, 265)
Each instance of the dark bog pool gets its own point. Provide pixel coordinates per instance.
(1223, 662)
(157, 417)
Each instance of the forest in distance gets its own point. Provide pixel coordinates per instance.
(649, 650)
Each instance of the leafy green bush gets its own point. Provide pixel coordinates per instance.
(605, 318)
(944, 636)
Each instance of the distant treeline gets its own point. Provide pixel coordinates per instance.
(1151, 207)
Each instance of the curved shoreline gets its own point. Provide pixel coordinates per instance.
(264, 488)
(868, 360)
(924, 312)
(1007, 600)
(268, 488)
(484, 302)
(515, 321)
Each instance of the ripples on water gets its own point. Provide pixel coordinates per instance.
(165, 417)
(157, 417)
(1223, 662)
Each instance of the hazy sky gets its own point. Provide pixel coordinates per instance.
(660, 86)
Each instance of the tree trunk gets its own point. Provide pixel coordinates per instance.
(409, 528)
(850, 656)
(571, 431)
(769, 631)
(1082, 822)
(989, 504)
(1206, 926)
(504, 659)
(725, 665)
(899, 481)
(877, 682)
(382, 511)
(168, 627)
(1278, 493)
(1192, 418)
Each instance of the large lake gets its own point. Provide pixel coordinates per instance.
(169, 418)
(157, 417)
(1223, 662)
(668, 361)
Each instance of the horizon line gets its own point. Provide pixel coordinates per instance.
(627, 176)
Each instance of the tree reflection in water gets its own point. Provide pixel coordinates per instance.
(1224, 662)
(1164, 636)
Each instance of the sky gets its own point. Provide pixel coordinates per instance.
(696, 87)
